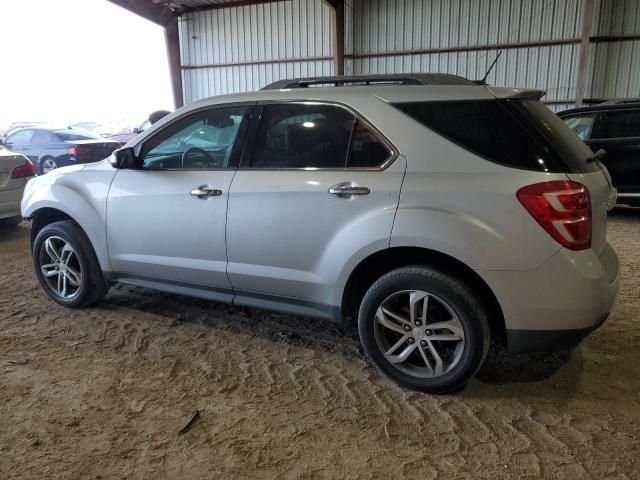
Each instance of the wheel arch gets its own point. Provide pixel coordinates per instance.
(46, 215)
(377, 264)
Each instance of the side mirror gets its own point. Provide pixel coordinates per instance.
(123, 158)
(137, 130)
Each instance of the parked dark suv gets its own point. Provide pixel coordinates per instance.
(615, 127)
(50, 148)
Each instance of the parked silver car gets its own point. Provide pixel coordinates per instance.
(437, 213)
(15, 170)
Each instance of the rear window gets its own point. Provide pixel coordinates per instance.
(71, 136)
(521, 134)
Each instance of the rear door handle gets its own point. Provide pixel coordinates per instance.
(348, 189)
(205, 191)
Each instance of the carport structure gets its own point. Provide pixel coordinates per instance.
(578, 51)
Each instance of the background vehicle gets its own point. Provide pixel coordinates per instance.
(50, 148)
(124, 137)
(15, 126)
(615, 127)
(439, 213)
(15, 170)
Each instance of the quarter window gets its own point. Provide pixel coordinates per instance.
(622, 124)
(202, 140)
(366, 149)
(505, 132)
(308, 135)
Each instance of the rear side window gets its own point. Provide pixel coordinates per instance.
(521, 134)
(622, 124)
(302, 136)
(310, 135)
(42, 137)
(70, 136)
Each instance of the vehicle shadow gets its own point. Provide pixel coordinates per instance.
(500, 367)
(625, 213)
(11, 233)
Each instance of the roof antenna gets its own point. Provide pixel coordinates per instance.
(484, 79)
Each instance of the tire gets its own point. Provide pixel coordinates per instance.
(388, 331)
(10, 222)
(49, 161)
(79, 265)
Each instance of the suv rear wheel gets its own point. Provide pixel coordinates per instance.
(423, 329)
(66, 265)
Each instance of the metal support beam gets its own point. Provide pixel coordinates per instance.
(337, 34)
(583, 60)
(172, 40)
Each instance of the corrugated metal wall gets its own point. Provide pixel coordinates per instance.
(244, 48)
(446, 28)
(615, 65)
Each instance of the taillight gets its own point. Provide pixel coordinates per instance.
(563, 209)
(24, 171)
(78, 150)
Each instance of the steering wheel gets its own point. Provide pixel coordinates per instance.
(198, 151)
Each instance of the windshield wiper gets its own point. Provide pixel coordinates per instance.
(599, 155)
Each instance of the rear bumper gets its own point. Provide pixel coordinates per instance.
(557, 305)
(10, 203)
(527, 341)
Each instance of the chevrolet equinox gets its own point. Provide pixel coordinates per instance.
(437, 213)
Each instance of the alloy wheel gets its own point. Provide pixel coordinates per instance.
(60, 267)
(419, 333)
(48, 165)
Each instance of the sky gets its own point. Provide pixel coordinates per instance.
(66, 61)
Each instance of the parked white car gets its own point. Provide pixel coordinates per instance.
(15, 170)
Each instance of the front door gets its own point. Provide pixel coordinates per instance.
(319, 185)
(166, 219)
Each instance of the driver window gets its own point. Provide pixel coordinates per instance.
(202, 140)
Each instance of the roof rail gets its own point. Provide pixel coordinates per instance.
(380, 79)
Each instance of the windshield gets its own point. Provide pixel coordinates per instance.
(581, 125)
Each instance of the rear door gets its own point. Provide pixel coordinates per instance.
(316, 171)
(166, 219)
(618, 133)
(41, 146)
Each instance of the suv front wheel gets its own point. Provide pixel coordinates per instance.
(66, 265)
(424, 329)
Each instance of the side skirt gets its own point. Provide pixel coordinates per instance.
(276, 303)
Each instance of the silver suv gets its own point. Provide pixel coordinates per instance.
(439, 214)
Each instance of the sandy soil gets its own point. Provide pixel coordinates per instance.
(103, 392)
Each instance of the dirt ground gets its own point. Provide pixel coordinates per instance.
(103, 393)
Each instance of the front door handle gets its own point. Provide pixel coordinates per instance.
(348, 189)
(205, 191)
